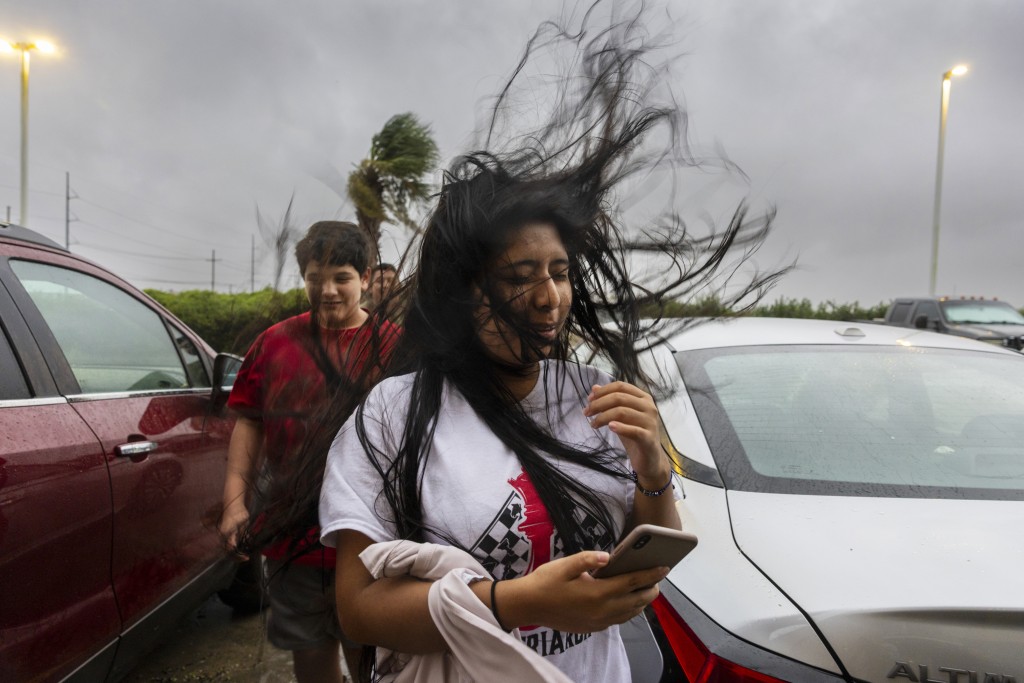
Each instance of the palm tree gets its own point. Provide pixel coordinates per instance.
(389, 181)
(278, 236)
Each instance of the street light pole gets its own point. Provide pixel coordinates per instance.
(23, 216)
(947, 79)
(25, 49)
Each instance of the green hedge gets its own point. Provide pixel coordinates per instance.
(781, 308)
(826, 310)
(230, 322)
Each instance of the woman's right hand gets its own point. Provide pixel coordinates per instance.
(562, 595)
(233, 518)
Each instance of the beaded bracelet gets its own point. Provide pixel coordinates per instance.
(649, 493)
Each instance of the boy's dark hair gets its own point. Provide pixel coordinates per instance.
(333, 243)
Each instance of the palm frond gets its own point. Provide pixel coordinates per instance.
(386, 185)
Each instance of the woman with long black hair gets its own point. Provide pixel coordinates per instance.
(494, 443)
(487, 435)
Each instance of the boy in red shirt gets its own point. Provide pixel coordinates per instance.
(287, 376)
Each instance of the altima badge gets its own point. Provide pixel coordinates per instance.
(948, 674)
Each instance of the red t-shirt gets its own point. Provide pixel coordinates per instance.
(282, 384)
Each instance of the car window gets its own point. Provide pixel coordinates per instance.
(982, 312)
(112, 341)
(901, 311)
(12, 381)
(865, 421)
(928, 308)
(197, 374)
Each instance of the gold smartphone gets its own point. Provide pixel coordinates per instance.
(647, 546)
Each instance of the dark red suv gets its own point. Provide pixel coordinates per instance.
(113, 440)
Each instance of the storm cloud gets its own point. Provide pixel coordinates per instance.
(175, 120)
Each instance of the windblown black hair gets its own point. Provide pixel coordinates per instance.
(612, 125)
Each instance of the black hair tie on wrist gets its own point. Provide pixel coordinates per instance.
(494, 607)
(648, 492)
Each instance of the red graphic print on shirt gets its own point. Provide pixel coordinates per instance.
(535, 524)
(522, 537)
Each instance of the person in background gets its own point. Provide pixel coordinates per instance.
(382, 277)
(291, 372)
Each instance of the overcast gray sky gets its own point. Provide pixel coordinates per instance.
(176, 119)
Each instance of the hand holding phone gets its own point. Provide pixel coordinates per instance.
(645, 547)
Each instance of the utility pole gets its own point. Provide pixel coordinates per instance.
(213, 270)
(67, 210)
(252, 266)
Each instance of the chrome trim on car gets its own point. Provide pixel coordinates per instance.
(80, 398)
(87, 671)
(42, 401)
(135, 448)
(144, 635)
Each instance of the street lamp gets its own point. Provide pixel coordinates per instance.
(25, 48)
(947, 78)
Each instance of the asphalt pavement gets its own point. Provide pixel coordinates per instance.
(214, 645)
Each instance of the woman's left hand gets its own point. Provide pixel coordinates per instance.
(631, 414)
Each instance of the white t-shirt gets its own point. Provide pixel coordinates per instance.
(476, 491)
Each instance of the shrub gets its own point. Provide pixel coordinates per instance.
(781, 308)
(826, 310)
(230, 322)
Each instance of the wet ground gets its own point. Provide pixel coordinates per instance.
(213, 645)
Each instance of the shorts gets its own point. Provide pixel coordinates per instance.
(302, 609)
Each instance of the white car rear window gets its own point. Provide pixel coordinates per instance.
(914, 422)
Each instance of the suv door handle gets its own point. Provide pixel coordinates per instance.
(135, 449)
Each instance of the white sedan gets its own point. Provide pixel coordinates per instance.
(858, 494)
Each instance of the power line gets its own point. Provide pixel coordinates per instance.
(192, 259)
(163, 230)
(137, 253)
(172, 282)
(112, 188)
(166, 209)
(119, 213)
(131, 239)
(46, 192)
(180, 255)
(163, 270)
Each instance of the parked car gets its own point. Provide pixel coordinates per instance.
(988, 320)
(113, 441)
(858, 495)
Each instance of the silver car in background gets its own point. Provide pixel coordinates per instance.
(858, 493)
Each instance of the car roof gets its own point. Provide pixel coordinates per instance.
(757, 331)
(16, 232)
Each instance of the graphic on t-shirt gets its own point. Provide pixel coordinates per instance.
(522, 537)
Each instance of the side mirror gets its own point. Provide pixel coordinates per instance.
(225, 369)
(921, 322)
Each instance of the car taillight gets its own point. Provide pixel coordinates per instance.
(699, 664)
